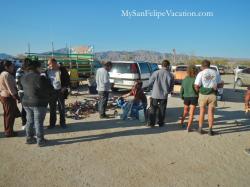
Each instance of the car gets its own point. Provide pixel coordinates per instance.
(243, 78)
(180, 73)
(220, 90)
(124, 73)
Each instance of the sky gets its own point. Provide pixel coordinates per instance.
(101, 24)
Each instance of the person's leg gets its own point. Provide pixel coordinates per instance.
(29, 124)
(101, 103)
(39, 116)
(61, 108)
(52, 108)
(191, 116)
(210, 116)
(202, 103)
(184, 115)
(152, 112)
(212, 103)
(5, 112)
(106, 98)
(23, 113)
(9, 115)
(201, 117)
(162, 111)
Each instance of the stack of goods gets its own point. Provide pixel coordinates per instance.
(80, 110)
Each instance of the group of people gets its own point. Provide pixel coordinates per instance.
(197, 88)
(35, 90)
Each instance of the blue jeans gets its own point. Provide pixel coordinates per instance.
(132, 109)
(35, 117)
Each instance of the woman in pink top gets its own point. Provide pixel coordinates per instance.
(8, 97)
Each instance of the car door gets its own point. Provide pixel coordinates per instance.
(144, 73)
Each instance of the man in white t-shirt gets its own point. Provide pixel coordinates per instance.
(207, 82)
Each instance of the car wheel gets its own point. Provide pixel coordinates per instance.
(239, 83)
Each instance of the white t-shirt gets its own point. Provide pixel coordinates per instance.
(54, 76)
(208, 78)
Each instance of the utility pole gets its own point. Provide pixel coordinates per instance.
(52, 45)
(28, 48)
(174, 56)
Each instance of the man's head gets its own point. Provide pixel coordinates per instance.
(8, 66)
(205, 64)
(165, 64)
(192, 70)
(25, 63)
(52, 63)
(34, 65)
(107, 65)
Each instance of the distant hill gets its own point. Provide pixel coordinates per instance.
(156, 57)
(146, 55)
(5, 56)
(151, 56)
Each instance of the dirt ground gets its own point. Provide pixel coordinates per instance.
(93, 152)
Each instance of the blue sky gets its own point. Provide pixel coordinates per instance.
(99, 23)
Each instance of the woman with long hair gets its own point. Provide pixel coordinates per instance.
(189, 95)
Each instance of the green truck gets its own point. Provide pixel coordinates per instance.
(84, 63)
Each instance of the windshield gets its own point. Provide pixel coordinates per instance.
(181, 68)
(154, 67)
(241, 67)
(124, 68)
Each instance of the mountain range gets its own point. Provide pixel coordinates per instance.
(5, 56)
(140, 55)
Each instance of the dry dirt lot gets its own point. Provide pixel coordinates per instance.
(93, 152)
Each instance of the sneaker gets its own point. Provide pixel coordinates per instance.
(103, 116)
(210, 132)
(42, 143)
(31, 140)
(161, 125)
(63, 126)
(51, 127)
(149, 125)
(13, 134)
(189, 130)
(247, 151)
(200, 131)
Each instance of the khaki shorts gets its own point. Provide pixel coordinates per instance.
(207, 100)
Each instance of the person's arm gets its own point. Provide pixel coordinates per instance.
(106, 81)
(65, 79)
(18, 78)
(182, 91)
(152, 79)
(198, 82)
(170, 80)
(97, 78)
(11, 86)
(126, 95)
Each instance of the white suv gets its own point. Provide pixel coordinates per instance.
(124, 73)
